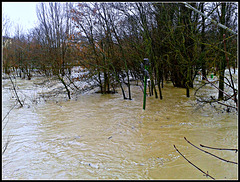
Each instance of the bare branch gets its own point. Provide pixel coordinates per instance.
(213, 21)
(193, 164)
(6, 144)
(210, 153)
(15, 91)
(236, 150)
(215, 86)
(227, 59)
(8, 113)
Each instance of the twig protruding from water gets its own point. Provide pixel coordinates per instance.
(236, 150)
(205, 174)
(210, 153)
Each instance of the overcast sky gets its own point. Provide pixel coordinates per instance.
(22, 13)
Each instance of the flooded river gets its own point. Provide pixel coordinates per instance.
(96, 136)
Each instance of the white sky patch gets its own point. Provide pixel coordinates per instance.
(20, 13)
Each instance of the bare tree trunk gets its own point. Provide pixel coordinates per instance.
(202, 45)
(65, 85)
(222, 58)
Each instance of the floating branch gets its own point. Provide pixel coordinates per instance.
(227, 105)
(210, 153)
(236, 150)
(206, 174)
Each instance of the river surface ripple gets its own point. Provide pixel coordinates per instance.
(98, 136)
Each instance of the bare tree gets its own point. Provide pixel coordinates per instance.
(54, 29)
(6, 25)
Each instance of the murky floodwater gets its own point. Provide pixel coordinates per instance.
(105, 137)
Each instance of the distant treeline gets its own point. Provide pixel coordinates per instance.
(111, 40)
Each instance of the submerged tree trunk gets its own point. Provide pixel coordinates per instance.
(65, 85)
(159, 77)
(187, 92)
(160, 91)
(129, 85)
(100, 82)
(123, 92)
(155, 90)
(222, 65)
(202, 45)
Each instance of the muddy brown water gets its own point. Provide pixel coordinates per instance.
(98, 136)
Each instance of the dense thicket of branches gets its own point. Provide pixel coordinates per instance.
(112, 39)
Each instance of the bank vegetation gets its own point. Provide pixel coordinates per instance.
(111, 40)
